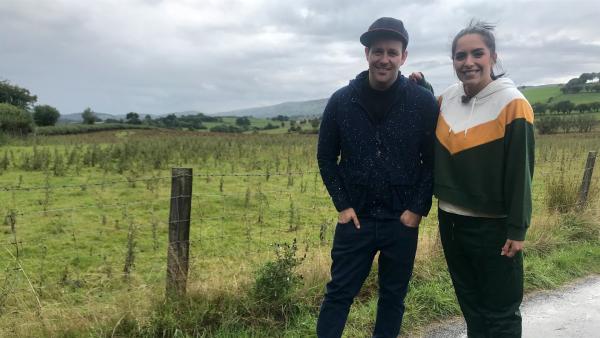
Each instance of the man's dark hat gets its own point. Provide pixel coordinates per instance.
(385, 28)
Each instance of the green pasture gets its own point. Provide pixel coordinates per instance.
(282, 126)
(84, 237)
(543, 94)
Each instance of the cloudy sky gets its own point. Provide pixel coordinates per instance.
(154, 57)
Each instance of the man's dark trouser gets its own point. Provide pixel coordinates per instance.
(352, 253)
(489, 287)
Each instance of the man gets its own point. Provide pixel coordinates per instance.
(381, 126)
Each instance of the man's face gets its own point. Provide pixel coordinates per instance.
(385, 58)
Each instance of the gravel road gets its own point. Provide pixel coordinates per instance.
(570, 311)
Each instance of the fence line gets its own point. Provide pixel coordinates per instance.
(161, 178)
(79, 185)
(146, 179)
(256, 236)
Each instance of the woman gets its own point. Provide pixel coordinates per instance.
(483, 170)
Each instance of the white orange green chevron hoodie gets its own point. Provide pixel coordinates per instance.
(484, 153)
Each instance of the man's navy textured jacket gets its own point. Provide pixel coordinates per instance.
(385, 166)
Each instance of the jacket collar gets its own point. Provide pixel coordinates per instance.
(362, 76)
(356, 82)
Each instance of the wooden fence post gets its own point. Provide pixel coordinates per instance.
(587, 179)
(179, 231)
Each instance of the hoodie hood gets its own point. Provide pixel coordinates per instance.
(481, 108)
(492, 88)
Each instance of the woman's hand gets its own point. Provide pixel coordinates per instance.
(511, 248)
(415, 76)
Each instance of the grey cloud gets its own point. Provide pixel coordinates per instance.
(155, 56)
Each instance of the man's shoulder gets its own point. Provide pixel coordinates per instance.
(340, 98)
(421, 97)
(418, 94)
(344, 92)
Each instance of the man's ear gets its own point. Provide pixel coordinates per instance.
(404, 56)
(367, 52)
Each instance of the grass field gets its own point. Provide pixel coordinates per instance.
(84, 237)
(543, 93)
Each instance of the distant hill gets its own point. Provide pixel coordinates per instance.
(552, 93)
(299, 108)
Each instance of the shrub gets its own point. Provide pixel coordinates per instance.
(89, 116)
(547, 125)
(270, 126)
(14, 120)
(243, 122)
(584, 123)
(45, 115)
(567, 124)
(275, 282)
(552, 124)
(224, 128)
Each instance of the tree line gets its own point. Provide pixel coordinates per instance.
(586, 82)
(18, 111)
(564, 107)
(19, 115)
(566, 124)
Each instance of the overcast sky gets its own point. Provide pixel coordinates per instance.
(154, 57)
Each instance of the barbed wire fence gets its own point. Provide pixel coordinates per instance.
(204, 237)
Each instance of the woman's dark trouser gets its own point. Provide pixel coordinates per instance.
(489, 287)
(352, 253)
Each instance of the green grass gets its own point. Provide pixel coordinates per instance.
(543, 93)
(73, 234)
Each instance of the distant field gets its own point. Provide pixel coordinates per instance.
(261, 123)
(543, 93)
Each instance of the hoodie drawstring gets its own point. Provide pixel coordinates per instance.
(470, 114)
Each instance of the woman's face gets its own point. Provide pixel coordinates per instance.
(473, 63)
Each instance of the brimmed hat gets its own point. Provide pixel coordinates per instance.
(385, 28)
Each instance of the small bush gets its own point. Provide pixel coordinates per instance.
(548, 125)
(275, 283)
(45, 115)
(270, 126)
(224, 128)
(584, 123)
(14, 120)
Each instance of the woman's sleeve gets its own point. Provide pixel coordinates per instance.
(518, 170)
